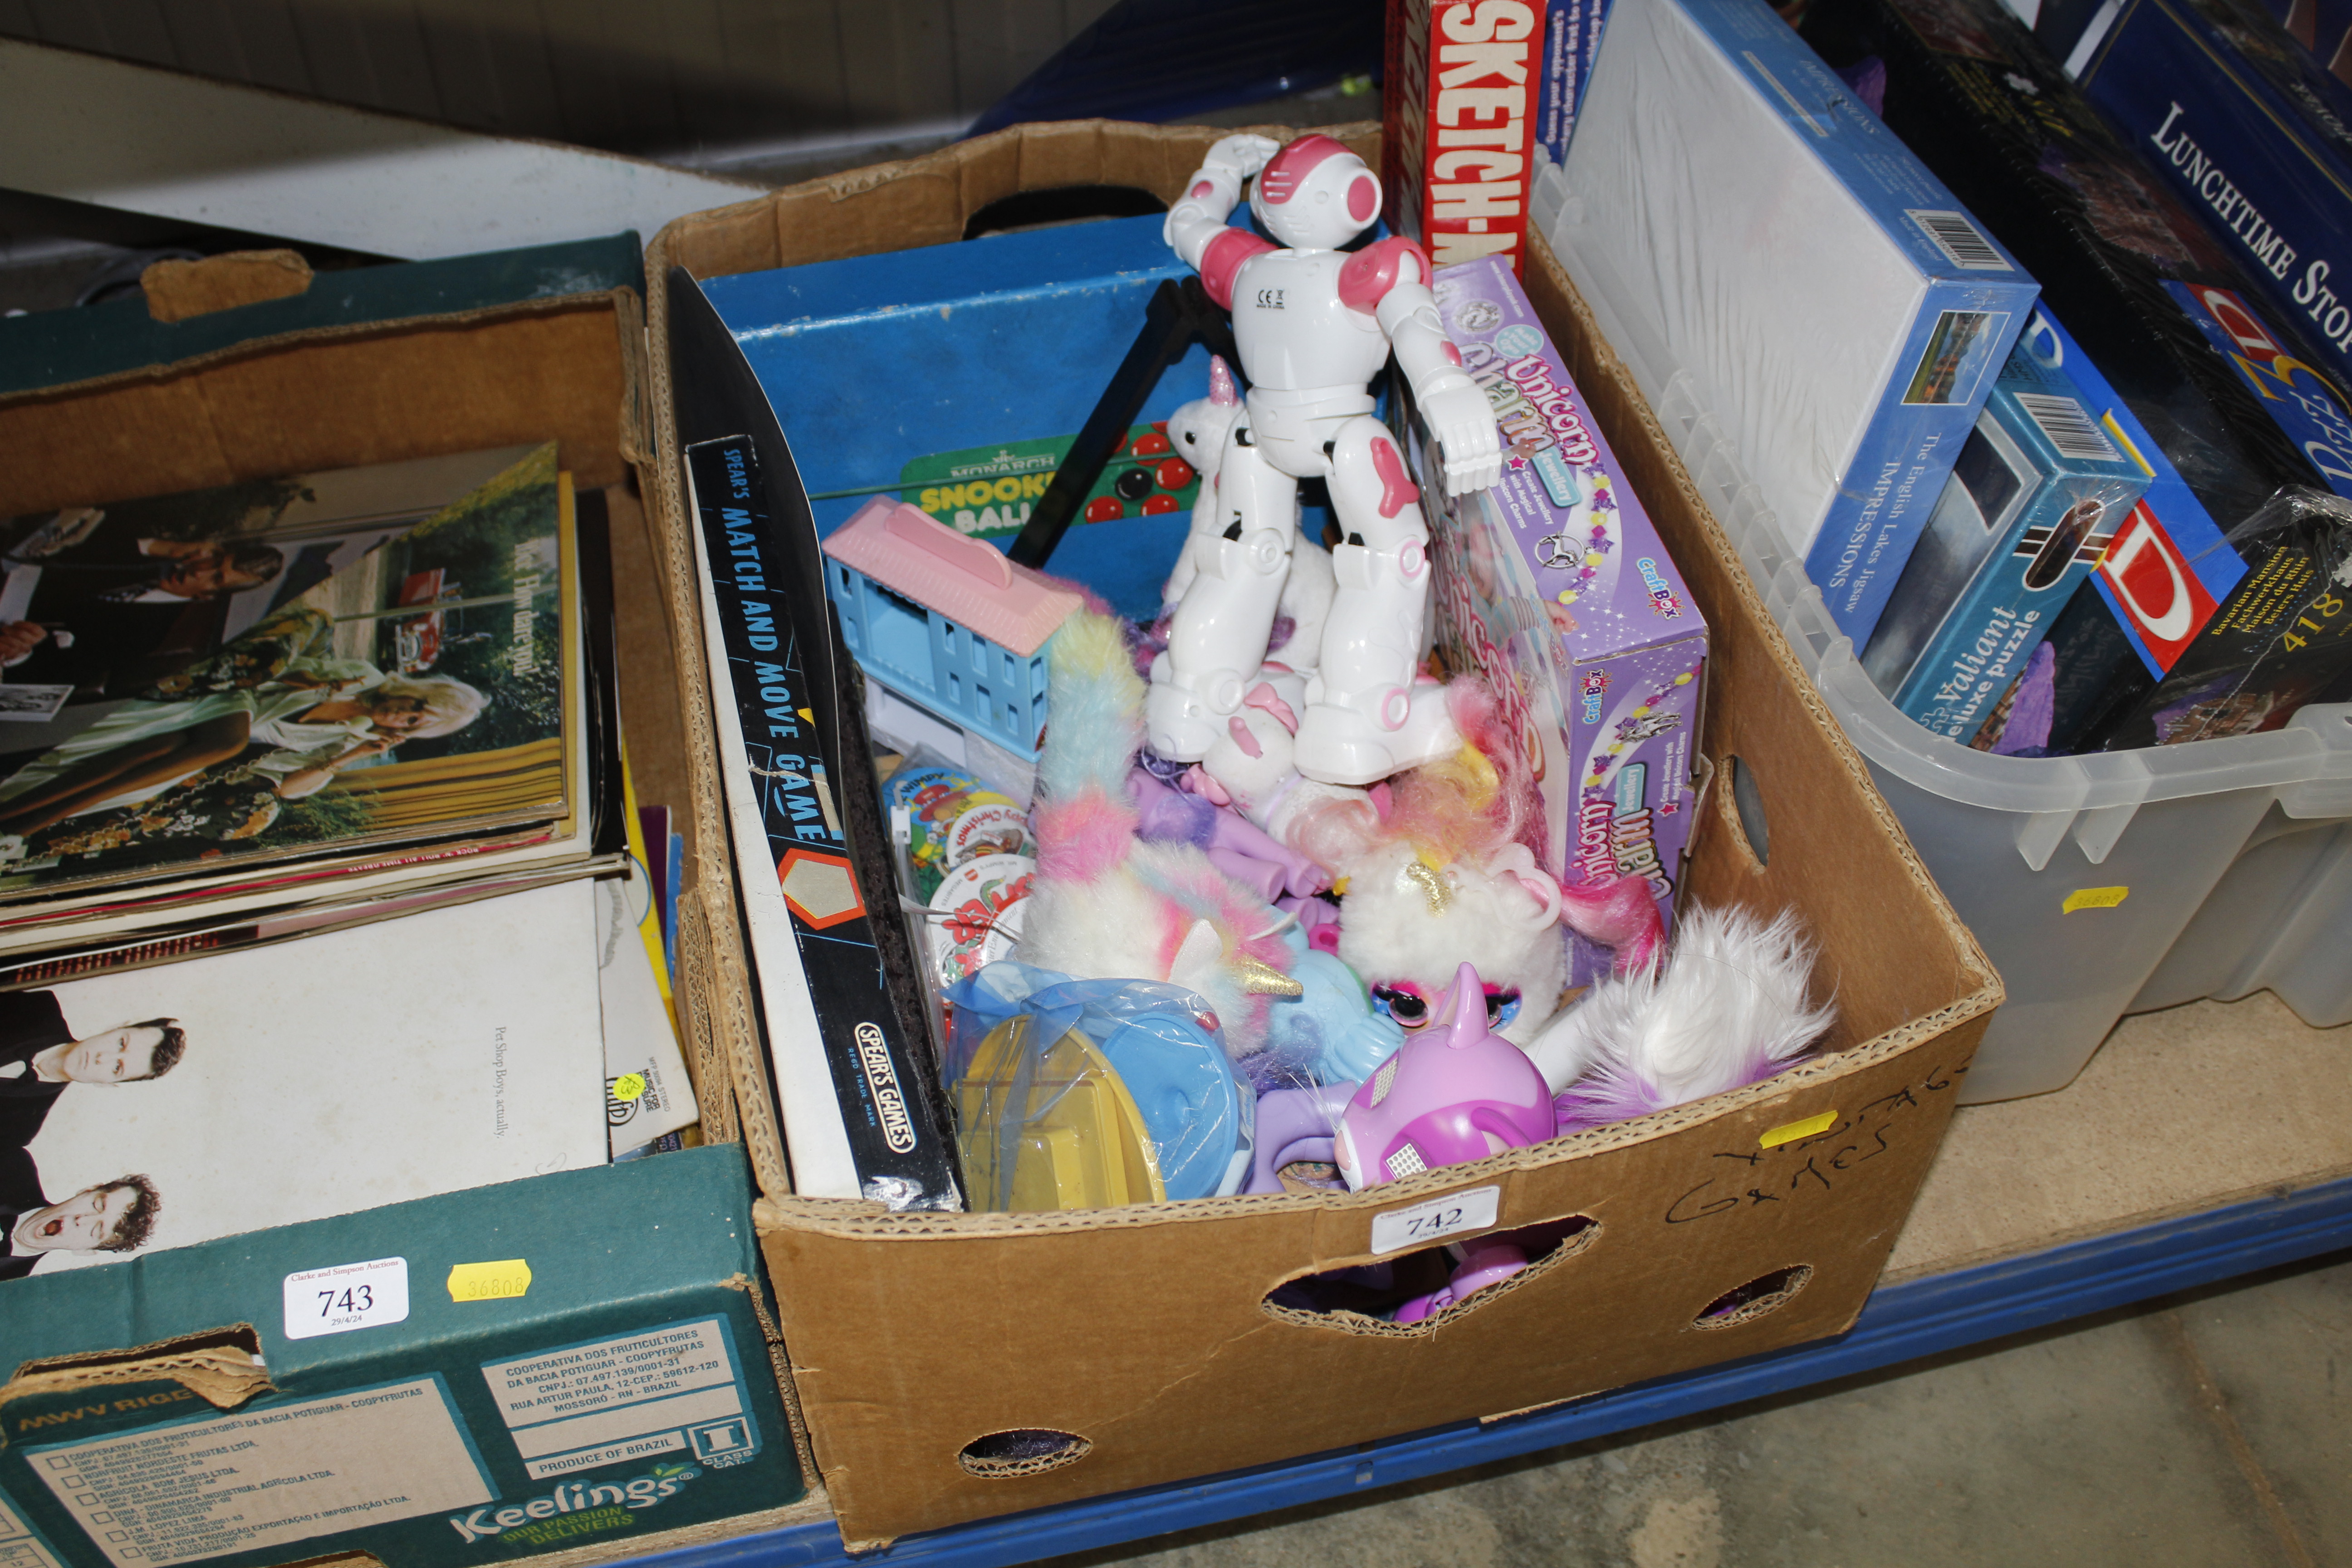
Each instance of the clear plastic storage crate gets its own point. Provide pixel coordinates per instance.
(2098, 885)
(2280, 920)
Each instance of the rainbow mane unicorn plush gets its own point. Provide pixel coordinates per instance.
(1108, 904)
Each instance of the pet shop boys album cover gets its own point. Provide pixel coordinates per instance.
(166, 1106)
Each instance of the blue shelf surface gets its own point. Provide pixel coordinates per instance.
(1901, 1322)
(1166, 60)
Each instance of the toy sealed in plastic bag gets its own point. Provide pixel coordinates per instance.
(1075, 1094)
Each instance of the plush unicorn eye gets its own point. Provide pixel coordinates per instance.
(1502, 1006)
(1408, 1007)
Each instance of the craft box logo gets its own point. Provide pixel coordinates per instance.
(1663, 597)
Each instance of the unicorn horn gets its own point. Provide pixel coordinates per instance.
(1221, 383)
(1467, 1001)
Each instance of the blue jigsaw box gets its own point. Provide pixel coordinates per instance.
(876, 363)
(1834, 307)
(2038, 492)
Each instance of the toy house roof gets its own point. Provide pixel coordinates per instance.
(967, 580)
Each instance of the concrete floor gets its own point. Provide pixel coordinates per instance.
(2213, 1428)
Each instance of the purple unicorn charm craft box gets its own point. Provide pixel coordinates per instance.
(1554, 586)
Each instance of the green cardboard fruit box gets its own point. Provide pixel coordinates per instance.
(544, 1363)
(578, 1366)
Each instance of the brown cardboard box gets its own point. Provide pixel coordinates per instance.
(1142, 1334)
(572, 366)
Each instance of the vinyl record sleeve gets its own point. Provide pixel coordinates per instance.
(263, 750)
(446, 1050)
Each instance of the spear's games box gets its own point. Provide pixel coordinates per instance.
(847, 1051)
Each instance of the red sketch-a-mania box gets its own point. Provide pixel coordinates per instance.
(1458, 116)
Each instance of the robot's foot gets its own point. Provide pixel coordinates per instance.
(1177, 725)
(1342, 746)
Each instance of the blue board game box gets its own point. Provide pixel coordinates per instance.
(2038, 492)
(1572, 37)
(1838, 308)
(2218, 104)
(934, 374)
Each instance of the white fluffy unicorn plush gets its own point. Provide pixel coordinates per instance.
(1440, 870)
(1199, 431)
(1726, 1003)
(1107, 905)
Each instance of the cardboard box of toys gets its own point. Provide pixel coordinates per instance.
(491, 1379)
(958, 1365)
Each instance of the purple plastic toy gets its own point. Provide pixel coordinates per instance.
(1235, 845)
(1294, 1125)
(1453, 1092)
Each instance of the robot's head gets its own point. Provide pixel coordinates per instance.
(1315, 194)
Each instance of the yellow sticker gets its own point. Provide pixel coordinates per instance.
(1790, 1131)
(2094, 899)
(629, 1086)
(489, 1281)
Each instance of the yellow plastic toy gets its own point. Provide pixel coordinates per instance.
(1078, 1140)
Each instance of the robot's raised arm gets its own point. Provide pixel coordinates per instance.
(1212, 193)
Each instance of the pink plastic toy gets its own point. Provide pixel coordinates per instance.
(977, 656)
(1451, 1093)
(968, 580)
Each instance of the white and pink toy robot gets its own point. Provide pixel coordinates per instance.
(1314, 325)
(1199, 430)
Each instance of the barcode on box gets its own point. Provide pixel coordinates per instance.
(2068, 425)
(1964, 244)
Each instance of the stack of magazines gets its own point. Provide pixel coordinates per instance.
(322, 883)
